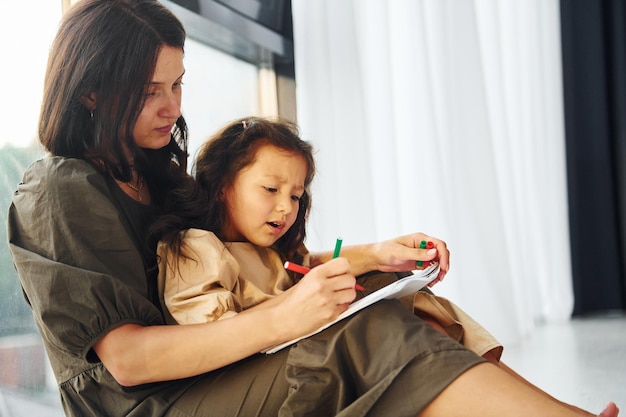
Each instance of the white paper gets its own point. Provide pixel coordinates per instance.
(400, 288)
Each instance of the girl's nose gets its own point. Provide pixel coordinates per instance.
(284, 205)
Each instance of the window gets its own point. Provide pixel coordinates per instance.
(27, 386)
(217, 89)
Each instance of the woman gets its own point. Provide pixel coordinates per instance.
(78, 224)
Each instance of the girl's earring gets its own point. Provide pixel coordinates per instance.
(91, 114)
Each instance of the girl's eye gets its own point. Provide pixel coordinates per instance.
(296, 197)
(271, 189)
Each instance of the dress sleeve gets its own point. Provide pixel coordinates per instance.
(203, 287)
(80, 270)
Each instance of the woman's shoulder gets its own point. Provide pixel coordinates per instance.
(60, 163)
(66, 189)
(51, 164)
(57, 172)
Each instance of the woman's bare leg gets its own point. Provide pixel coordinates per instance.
(514, 374)
(610, 410)
(486, 390)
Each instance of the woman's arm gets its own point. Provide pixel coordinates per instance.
(394, 255)
(136, 354)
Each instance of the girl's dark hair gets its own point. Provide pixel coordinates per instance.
(109, 48)
(197, 204)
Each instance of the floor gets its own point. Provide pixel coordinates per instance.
(582, 362)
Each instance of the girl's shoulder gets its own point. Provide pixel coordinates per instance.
(201, 234)
(196, 245)
(199, 239)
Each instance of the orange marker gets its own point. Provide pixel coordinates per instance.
(304, 270)
(296, 268)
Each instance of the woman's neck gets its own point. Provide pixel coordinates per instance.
(136, 188)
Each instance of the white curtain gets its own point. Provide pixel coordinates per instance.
(443, 116)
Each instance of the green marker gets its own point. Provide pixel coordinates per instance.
(422, 246)
(337, 247)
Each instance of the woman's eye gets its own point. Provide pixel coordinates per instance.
(271, 189)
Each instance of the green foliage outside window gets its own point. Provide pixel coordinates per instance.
(15, 315)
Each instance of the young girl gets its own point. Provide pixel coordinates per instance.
(252, 198)
(251, 202)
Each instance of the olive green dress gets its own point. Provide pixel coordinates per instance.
(78, 243)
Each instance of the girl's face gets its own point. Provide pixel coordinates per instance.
(263, 201)
(162, 106)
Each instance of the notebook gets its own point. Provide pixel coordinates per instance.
(404, 286)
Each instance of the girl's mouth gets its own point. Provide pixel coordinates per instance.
(276, 225)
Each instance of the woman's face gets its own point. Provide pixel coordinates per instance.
(263, 202)
(162, 106)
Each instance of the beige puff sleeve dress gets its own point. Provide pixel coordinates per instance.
(218, 280)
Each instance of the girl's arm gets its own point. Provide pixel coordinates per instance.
(394, 255)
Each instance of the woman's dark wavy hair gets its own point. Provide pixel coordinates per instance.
(109, 48)
(198, 204)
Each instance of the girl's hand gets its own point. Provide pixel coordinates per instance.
(401, 253)
(319, 297)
